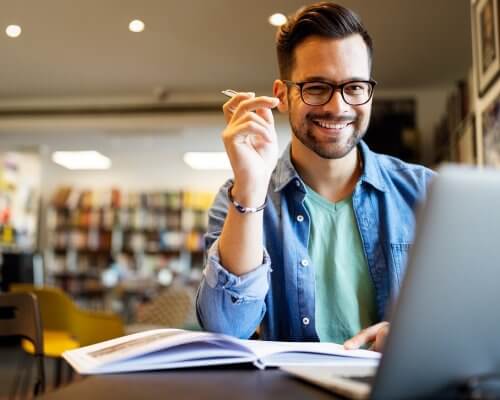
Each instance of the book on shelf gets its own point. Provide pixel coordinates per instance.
(176, 348)
(60, 197)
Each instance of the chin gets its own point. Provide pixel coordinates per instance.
(331, 154)
(332, 150)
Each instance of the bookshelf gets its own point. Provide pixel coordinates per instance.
(19, 201)
(89, 230)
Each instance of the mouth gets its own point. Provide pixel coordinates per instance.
(334, 126)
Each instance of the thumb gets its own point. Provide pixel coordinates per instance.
(351, 344)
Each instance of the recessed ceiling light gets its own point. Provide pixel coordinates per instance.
(13, 31)
(207, 160)
(81, 160)
(136, 25)
(277, 19)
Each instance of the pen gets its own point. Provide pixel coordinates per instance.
(229, 92)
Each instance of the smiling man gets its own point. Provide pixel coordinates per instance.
(311, 246)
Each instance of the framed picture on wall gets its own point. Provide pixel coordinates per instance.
(490, 126)
(486, 32)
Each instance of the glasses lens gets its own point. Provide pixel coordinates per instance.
(316, 93)
(357, 92)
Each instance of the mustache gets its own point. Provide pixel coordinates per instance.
(331, 116)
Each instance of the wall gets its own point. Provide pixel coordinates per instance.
(144, 161)
(431, 105)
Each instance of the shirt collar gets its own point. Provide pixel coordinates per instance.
(285, 171)
(372, 173)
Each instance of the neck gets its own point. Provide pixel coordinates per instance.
(334, 179)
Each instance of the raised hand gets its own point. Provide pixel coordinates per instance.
(251, 144)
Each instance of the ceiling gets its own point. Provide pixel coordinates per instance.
(84, 49)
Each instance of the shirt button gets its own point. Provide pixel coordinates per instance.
(297, 183)
(304, 262)
(300, 218)
(305, 321)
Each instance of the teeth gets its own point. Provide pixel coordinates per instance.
(329, 125)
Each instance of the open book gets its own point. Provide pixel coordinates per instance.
(175, 348)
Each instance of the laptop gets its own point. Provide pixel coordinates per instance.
(445, 325)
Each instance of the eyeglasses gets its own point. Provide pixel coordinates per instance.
(354, 93)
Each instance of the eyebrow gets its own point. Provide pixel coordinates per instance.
(323, 79)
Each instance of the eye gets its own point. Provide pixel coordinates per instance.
(316, 89)
(356, 88)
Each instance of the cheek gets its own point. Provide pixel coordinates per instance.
(297, 110)
(364, 116)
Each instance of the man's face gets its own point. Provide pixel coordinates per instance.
(334, 129)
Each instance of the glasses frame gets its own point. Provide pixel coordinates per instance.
(334, 87)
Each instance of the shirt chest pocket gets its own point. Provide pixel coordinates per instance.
(399, 254)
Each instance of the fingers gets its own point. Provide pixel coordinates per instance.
(266, 114)
(251, 116)
(362, 338)
(247, 102)
(259, 123)
(382, 334)
(254, 104)
(366, 336)
(249, 124)
(229, 106)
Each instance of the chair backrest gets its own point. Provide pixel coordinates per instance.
(60, 313)
(20, 316)
(55, 306)
(170, 308)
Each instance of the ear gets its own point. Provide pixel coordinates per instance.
(280, 91)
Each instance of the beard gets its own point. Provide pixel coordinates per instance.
(328, 148)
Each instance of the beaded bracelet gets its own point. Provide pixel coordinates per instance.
(243, 209)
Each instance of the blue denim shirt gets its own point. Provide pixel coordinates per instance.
(279, 294)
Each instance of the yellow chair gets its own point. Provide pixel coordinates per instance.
(66, 326)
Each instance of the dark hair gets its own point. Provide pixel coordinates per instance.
(322, 19)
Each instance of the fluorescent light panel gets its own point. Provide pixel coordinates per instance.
(207, 160)
(81, 160)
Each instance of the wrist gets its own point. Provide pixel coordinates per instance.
(248, 195)
(246, 208)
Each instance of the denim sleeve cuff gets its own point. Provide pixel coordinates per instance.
(253, 285)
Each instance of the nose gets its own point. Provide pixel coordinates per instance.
(337, 105)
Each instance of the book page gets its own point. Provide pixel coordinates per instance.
(198, 351)
(144, 350)
(263, 349)
(130, 346)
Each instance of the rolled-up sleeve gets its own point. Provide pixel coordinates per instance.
(248, 287)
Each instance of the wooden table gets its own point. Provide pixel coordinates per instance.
(193, 384)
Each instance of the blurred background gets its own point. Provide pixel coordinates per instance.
(136, 85)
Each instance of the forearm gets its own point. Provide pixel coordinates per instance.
(241, 240)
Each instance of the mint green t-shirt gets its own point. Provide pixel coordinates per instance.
(345, 296)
